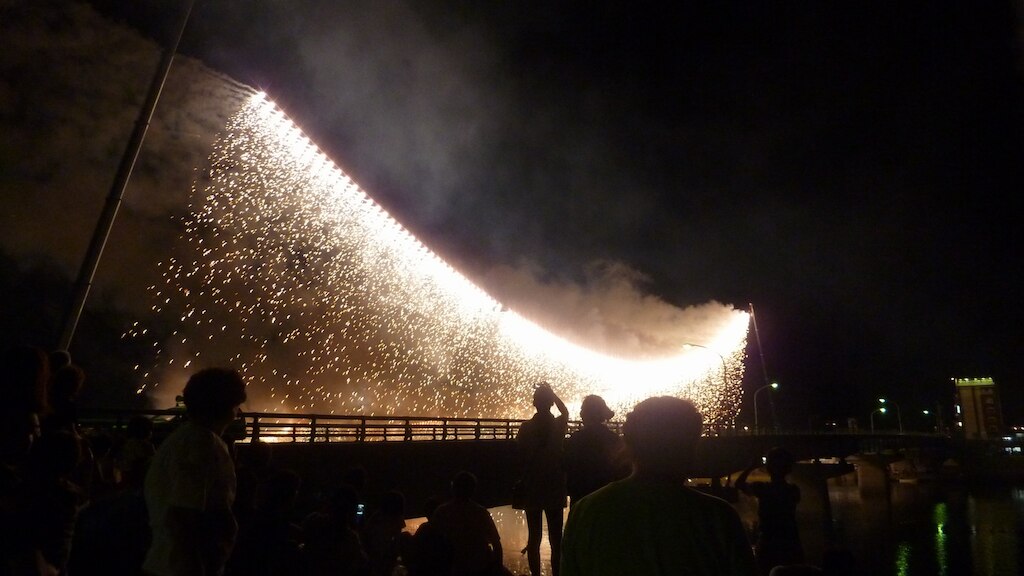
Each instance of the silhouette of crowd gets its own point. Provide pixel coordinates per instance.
(75, 500)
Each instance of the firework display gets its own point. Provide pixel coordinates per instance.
(290, 273)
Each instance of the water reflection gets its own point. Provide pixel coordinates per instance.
(928, 529)
(917, 530)
(512, 528)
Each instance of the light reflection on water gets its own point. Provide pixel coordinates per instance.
(925, 530)
(512, 528)
(920, 530)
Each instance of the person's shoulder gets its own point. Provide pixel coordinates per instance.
(445, 511)
(611, 493)
(709, 501)
(189, 430)
(705, 498)
(757, 488)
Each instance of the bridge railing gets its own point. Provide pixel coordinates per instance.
(321, 428)
(278, 427)
(290, 427)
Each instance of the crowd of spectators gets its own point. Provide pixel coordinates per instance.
(76, 502)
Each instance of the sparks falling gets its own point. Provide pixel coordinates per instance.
(326, 304)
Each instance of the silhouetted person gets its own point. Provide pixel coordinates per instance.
(429, 554)
(24, 376)
(252, 469)
(136, 452)
(190, 484)
(59, 359)
(651, 523)
(469, 530)
(112, 534)
(268, 544)
(65, 386)
(540, 443)
(63, 391)
(778, 540)
(50, 501)
(331, 545)
(383, 533)
(355, 476)
(594, 455)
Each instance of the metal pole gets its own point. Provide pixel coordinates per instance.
(87, 271)
(757, 427)
(760, 350)
(725, 369)
(899, 413)
(764, 366)
(872, 417)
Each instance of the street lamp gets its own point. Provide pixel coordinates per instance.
(899, 417)
(773, 386)
(935, 421)
(725, 370)
(872, 417)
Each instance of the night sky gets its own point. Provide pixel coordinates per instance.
(852, 169)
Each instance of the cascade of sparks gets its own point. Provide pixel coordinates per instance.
(298, 279)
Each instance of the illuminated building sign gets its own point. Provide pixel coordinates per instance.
(979, 408)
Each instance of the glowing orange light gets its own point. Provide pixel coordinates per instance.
(327, 304)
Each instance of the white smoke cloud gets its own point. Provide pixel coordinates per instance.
(71, 87)
(610, 311)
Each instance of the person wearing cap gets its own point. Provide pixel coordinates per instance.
(190, 484)
(594, 454)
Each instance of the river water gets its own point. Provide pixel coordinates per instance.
(918, 530)
(933, 529)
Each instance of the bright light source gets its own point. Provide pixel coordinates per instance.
(326, 304)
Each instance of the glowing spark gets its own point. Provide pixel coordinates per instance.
(326, 304)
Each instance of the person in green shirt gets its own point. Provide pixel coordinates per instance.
(650, 523)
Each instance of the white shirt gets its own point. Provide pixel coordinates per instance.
(191, 469)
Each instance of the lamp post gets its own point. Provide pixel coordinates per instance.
(935, 421)
(725, 369)
(899, 417)
(872, 417)
(772, 386)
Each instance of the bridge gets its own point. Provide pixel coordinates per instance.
(418, 455)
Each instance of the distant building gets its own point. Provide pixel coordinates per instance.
(978, 412)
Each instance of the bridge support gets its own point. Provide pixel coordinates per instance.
(814, 512)
(873, 473)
